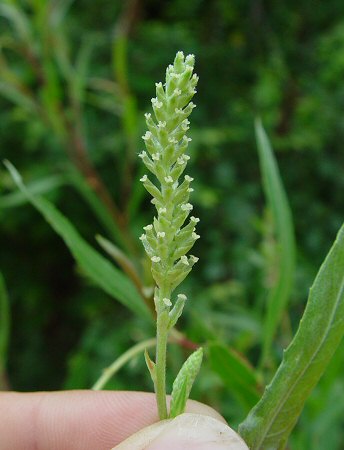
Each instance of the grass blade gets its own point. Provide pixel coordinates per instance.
(320, 332)
(19, 21)
(123, 261)
(37, 187)
(93, 264)
(240, 379)
(17, 94)
(283, 223)
(96, 206)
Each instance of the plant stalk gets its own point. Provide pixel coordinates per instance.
(161, 349)
(119, 363)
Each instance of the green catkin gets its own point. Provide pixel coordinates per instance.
(168, 240)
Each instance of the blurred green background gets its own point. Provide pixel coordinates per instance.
(75, 80)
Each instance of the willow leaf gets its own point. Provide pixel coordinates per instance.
(93, 264)
(321, 329)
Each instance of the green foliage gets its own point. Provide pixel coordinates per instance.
(74, 83)
(239, 378)
(280, 288)
(37, 187)
(183, 383)
(93, 265)
(110, 371)
(320, 332)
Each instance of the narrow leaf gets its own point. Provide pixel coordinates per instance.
(177, 310)
(16, 95)
(320, 332)
(180, 398)
(78, 80)
(283, 223)
(18, 20)
(121, 259)
(151, 366)
(41, 186)
(59, 10)
(94, 265)
(240, 379)
(128, 355)
(96, 206)
(183, 383)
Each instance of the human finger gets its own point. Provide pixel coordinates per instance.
(75, 420)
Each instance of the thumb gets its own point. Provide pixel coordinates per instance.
(187, 431)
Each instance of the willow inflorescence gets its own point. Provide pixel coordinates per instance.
(169, 238)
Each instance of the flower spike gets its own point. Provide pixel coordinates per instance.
(167, 241)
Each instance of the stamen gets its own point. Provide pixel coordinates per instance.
(156, 259)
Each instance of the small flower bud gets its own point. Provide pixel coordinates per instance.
(166, 144)
(187, 207)
(190, 60)
(167, 301)
(156, 103)
(147, 136)
(194, 259)
(156, 259)
(184, 260)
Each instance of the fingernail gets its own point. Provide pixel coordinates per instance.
(195, 431)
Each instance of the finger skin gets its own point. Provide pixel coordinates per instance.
(75, 420)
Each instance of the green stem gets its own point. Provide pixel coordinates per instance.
(119, 362)
(161, 348)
